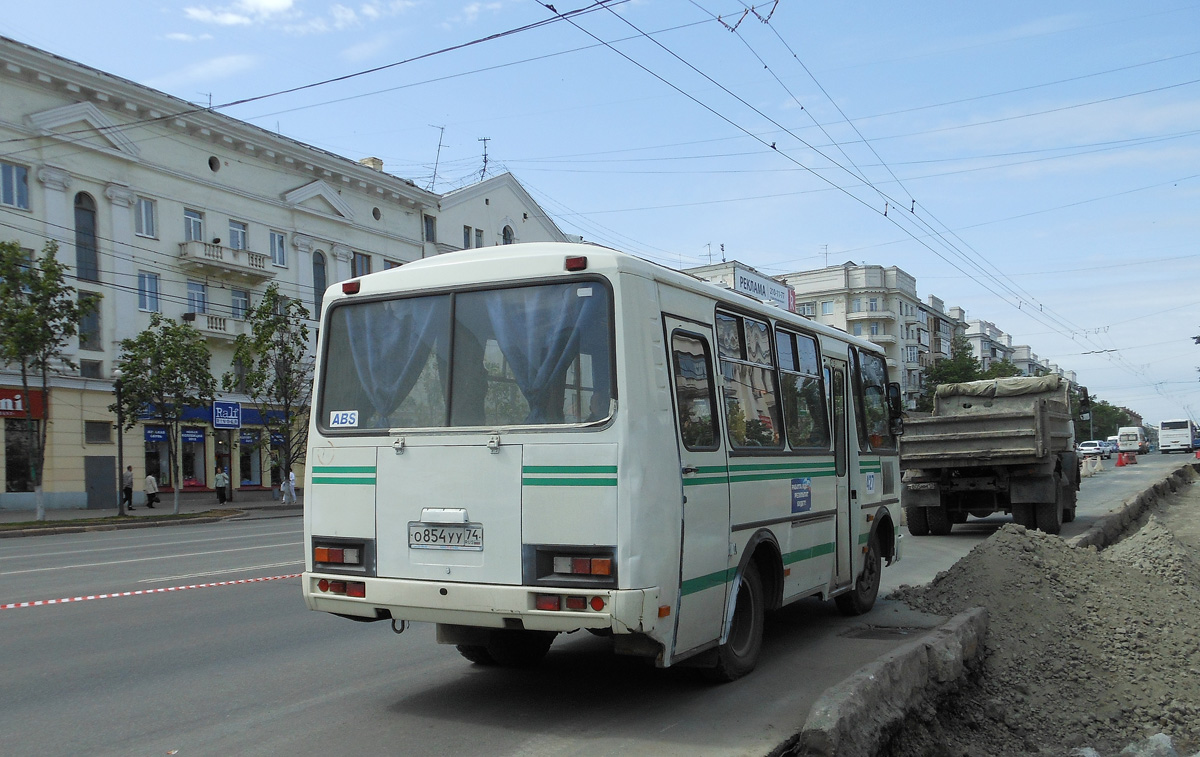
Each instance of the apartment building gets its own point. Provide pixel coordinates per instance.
(159, 206)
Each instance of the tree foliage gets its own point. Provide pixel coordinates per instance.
(166, 369)
(39, 313)
(1001, 369)
(276, 371)
(962, 365)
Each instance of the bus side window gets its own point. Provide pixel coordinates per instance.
(748, 365)
(804, 413)
(694, 392)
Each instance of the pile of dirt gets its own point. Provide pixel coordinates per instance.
(1084, 649)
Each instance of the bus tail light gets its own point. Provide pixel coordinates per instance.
(572, 602)
(343, 588)
(338, 555)
(581, 568)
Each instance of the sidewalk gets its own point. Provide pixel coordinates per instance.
(254, 504)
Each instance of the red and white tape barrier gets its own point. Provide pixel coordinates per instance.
(114, 595)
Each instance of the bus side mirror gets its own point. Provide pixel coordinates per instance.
(895, 409)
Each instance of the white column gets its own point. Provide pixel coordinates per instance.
(342, 255)
(124, 271)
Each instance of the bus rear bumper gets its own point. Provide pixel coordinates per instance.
(486, 606)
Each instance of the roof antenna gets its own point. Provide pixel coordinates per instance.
(484, 140)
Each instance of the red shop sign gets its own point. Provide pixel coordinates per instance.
(14, 402)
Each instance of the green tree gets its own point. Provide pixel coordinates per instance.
(962, 365)
(165, 371)
(1001, 369)
(274, 367)
(38, 314)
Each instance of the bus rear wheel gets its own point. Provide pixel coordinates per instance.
(739, 654)
(476, 653)
(519, 649)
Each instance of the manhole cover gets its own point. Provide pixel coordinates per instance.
(883, 633)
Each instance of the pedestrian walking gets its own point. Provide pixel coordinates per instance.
(220, 481)
(290, 497)
(151, 489)
(127, 487)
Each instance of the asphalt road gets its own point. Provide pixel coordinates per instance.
(243, 668)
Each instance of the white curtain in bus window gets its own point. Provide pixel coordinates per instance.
(874, 402)
(751, 402)
(388, 361)
(805, 417)
(693, 393)
(531, 355)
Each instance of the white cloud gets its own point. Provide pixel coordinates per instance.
(182, 37)
(205, 71)
(366, 49)
(219, 17)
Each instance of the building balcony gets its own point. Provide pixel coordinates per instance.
(225, 262)
(882, 338)
(871, 315)
(214, 326)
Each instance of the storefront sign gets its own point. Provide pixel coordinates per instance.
(155, 434)
(14, 403)
(248, 437)
(226, 414)
(764, 288)
(195, 435)
(277, 440)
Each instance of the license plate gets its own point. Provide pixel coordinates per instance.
(468, 536)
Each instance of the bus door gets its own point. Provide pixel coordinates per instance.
(704, 474)
(839, 400)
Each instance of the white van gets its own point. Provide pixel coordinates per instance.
(1131, 439)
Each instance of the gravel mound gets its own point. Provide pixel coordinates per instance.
(1087, 653)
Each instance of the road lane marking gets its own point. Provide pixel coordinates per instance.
(141, 592)
(219, 572)
(146, 559)
(187, 542)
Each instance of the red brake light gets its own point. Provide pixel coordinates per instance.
(576, 603)
(547, 602)
(351, 287)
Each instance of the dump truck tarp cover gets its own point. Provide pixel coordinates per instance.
(1003, 387)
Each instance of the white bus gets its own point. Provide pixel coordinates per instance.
(518, 441)
(1176, 435)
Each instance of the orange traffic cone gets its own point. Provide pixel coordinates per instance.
(1120, 459)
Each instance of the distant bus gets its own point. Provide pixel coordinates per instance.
(1176, 435)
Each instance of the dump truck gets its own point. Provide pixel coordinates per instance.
(995, 446)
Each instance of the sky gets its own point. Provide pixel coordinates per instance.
(1037, 164)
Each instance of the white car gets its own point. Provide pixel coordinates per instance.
(1094, 449)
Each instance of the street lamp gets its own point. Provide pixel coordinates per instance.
(120, 443)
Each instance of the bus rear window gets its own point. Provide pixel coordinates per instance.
(529, 355)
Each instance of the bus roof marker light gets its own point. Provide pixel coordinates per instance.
(351, 287)
(576, 263)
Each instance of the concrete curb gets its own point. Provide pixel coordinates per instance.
(1106, 530)
(855, 717)
(140, 523)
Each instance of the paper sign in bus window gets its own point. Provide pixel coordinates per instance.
(801, 495)
(870, 483)
(343, 419)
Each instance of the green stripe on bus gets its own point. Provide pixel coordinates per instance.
(705, 481)
(785, 475)
(569, 469)
(720, 578)
(864, 538)
(568, 482)
(343, 469)
(780, 466)
(338, 480)
(808, 554)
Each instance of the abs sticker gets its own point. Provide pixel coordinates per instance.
(801, 495)
(343, 419)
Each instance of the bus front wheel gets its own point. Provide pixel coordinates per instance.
(739, 654)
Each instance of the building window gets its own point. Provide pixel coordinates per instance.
(278, 248)
(318, 283)
(148, 291)
(89, 324)
(91, 369)
(827, 307)
(874, 328)
(241, 303)
(807, 308)
(857, 329)
(873, 304)
(430, 229)
(479, 237)
(508, 237)
(237, 235)
(97, 432)
(14, 186)
(19, 436)
(144, 222)
(912, 354)
(87, 265)
(466, 237)
(193, 225)
(361, 264)
(391, 264)
(197, 297)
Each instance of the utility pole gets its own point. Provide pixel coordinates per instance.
(825, 247)
(483, 173)
(438, 157)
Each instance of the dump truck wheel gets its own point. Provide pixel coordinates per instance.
(1023, 516)
(1050, 515)
(918, 523)
(939, 520)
